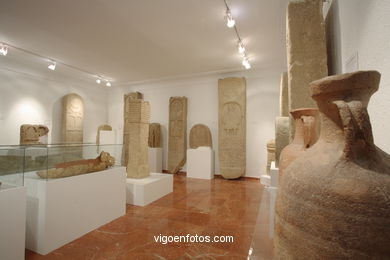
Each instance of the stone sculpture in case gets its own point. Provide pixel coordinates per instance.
(30, 134)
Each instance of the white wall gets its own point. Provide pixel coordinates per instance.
(35, 99)
(363, 27)
(202, 94)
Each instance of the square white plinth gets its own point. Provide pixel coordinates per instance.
(141, 192)
(155, 159)
(12, 222)
(200, 163)
(62, 210)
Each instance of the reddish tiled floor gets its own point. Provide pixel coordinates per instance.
(217, 207)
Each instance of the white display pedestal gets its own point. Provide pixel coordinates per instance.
(272, 179)
(12, 222)
(155, 159)
(141, 192)
(200, 163)
(62, 210)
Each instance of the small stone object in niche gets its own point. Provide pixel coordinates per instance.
(333, 201)
(200, 135)
(232, 127)
(270, 154)
(102, 128)
(306, 134)
(154, 135)
(126, 99)
(72, 119)
(30, 134)
(177, 143)
(138, 125)
(72, 168)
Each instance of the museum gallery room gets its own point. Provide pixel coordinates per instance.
(194, 129)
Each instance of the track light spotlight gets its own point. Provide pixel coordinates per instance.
(230, 21)
(4, 50)
(98, 81)
(108, 84)
(245, 63)
(241, 48)
(52, 65)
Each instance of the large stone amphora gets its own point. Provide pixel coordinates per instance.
(306, 134)
(334, 200)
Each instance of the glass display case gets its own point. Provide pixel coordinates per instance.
(11, 166)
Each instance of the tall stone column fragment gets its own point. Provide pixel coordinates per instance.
(177, 143)
(283, 96)
(306, 51)
(72, 118)
(232, 127)
(125, 149)
(154, 135)
(138, 125)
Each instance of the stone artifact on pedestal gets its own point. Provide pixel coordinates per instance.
(30, 134)
(154, 135)
(125, 149)
(72, 168)
(102, 128)
(200, 135)
(306, 134)
(138, 125)
(72, 118)
(177, 143)
(270, 154)
(333, 201)
(282, 122)
(232, 127)
(306, 51)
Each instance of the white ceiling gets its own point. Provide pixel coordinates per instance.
(136, 40)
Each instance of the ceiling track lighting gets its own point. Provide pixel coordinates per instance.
(52, 65)
(108, 84)
(98, 81)
(4, 50)
(231, 23)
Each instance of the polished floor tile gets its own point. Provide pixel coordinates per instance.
(196, 207)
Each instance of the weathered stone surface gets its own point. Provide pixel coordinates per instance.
(232, 127)
(155, 135)
(306, 51)
(72, 118)
(67, 169)
(102, 128)
(138, 125)
(125, 149)
(177, 143)
(333, 201)
(282, 136)
(30, 134)
(200, 135)
(270, 154)
(283, 96)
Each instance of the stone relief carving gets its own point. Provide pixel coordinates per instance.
(177, 143)
(232, 127)
(72, 118)
(200, 135)
(155, 135)
(30, 134)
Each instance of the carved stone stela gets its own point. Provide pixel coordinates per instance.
(232, 127)
(30, 134)
(72, 118)
(127, 98)
(177, 143)
(154, 135)
(200, 135)
(138, 125)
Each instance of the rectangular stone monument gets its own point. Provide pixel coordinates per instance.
(232, 127)
(126, 130)
(177, 143)
(72, 118)
(138, 125)
(306, 51)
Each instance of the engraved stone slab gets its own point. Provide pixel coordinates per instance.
(306, 51)
(177, 143)
(200, 135)
(138, 125)
(232, 127)
(283, 97)
(72, 118)
(127, 98)
(154, 135)
(30, 134)
(282, 134)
